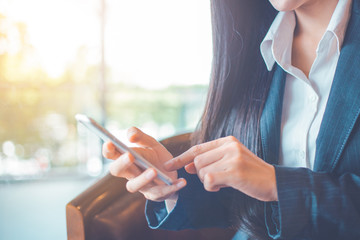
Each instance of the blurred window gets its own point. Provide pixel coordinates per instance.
(154, 75)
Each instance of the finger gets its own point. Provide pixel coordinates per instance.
(215, 167)
(135, 135)
(149, 155)
(109, 151)
(146, 153)
(188, 156)
(205, 159)
(190, 168)
(124, 167)
(216, 180)
(161, 192)
(209, 157)
(139, 182)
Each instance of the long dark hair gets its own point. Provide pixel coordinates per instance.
(238, 88)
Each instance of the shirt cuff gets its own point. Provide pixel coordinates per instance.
(171, 202)
(272, 219)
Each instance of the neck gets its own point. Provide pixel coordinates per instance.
(312, 18)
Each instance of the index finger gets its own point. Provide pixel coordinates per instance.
(137, 136)
(188, 156)
(142, 139)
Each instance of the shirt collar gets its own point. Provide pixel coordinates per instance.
(278, 39)
(275, 46)
(339, 21)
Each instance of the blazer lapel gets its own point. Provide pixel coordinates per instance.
(343, 106)
(270, 121)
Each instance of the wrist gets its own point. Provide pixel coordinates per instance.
(170, 202)
(273, 196)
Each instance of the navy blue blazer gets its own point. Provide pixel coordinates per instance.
(319, 204)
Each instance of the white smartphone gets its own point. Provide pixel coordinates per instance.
(104, 134)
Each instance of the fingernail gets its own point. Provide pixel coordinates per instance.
(110, 147)
(150, 174)
(181, 184)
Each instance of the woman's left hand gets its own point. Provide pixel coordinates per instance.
(226, 162)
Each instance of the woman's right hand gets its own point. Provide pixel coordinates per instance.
(146, 181)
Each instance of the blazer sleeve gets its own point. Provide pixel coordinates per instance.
(314, 205)
(195, 208)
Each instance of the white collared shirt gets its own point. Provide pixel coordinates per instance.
(304, 98)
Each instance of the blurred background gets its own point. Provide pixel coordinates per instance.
(125, 63)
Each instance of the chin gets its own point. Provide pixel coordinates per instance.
(286, 5)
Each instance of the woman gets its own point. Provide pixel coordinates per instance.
(276, 149)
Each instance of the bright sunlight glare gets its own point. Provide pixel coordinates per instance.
(147, 42)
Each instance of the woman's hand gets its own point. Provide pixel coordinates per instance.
(225, 162)
(144, 182)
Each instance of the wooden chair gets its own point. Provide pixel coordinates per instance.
(107, 211)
